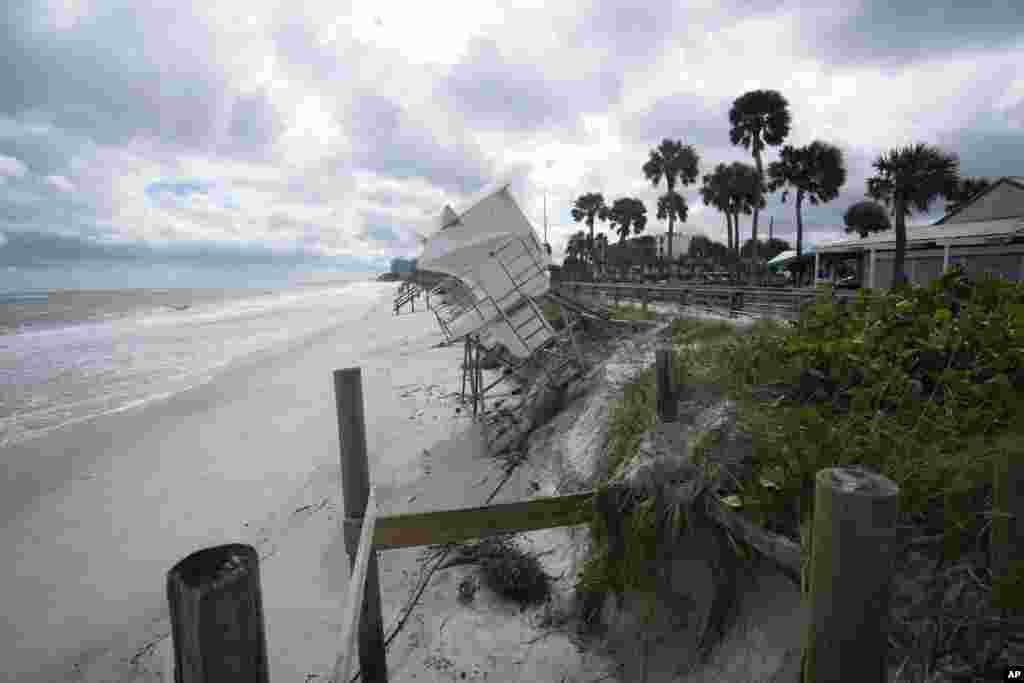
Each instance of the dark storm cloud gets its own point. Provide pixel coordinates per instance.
(638, 33)
(132, 69)
(986, 150)
(34, 249)
(491, 91)
(694, 119)
(45, 150)
(392, 142)
(898, 33)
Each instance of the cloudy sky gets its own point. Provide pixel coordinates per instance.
(321, 135)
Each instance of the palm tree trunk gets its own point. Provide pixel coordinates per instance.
(799, 235)
(760, 179)
(728, 228)
(736, 243)
(898, 278)
(736, 240)
(591, 245)
(670, 223)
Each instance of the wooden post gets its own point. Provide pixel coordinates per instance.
(643, 299)
(217, 616)
(465, 368)
(667, 410)
(852, 551)
(355, 481)
(1008, 532)
(478, 369)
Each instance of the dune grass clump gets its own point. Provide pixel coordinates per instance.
(508, 570)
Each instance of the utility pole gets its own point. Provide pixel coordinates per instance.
(545, 215)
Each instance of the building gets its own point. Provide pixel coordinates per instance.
(680, 244)
(986, 235)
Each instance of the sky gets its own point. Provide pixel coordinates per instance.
(166, 141)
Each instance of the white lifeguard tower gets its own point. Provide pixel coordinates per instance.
(497, 272)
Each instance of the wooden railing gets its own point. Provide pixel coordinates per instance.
(407, 294)
(758, 301)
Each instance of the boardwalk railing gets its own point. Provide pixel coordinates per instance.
(216, 608)
(737, 300)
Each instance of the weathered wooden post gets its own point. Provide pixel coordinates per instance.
(217, 616)
(644, 293)
(465, 368)
(355, 482)
(1008, 532)
(853, 546)
(478, 379)
(666, 400)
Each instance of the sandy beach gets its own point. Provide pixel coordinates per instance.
(252, 456)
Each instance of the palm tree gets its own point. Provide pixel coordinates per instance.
(963, 191)
(744, 194)
(672, 160)
(910, 178)
(759, 118)
(626, 213)
(815, 171)
(714, 193)
(576, 246)
(601, 244)
(589, 207)
(865, 217)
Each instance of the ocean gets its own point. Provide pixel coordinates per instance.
(70, 356)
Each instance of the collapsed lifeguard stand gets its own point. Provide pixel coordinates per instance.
(498, 273)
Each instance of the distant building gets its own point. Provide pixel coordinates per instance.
(984, 235)
(680, 243)
(403, 266)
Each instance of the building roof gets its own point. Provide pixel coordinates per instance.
(1018, 181)
(998, 231)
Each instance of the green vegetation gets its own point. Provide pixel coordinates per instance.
(918, 385)
(925, 386)
(631, 312)
(644, 526)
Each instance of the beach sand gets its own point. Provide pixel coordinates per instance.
(253, 457)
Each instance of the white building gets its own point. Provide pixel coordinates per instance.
(984, 235)
(680, 243)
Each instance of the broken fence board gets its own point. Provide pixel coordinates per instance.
(453, 526)
(354, 601)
